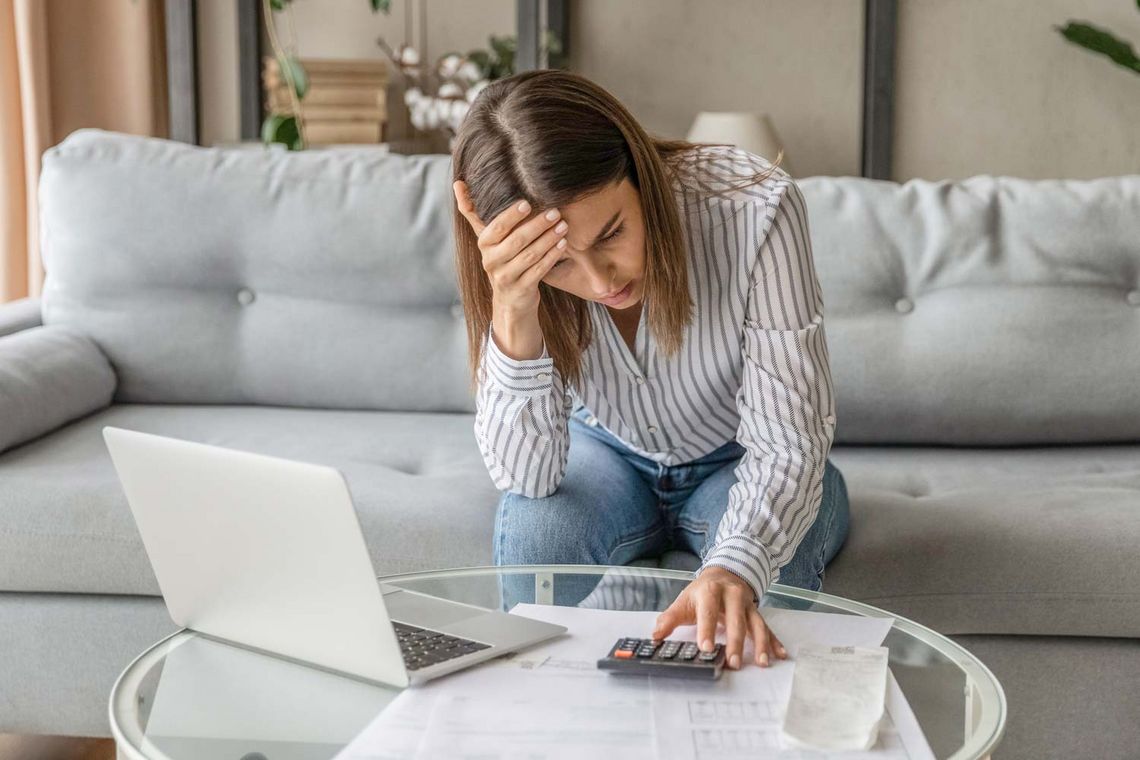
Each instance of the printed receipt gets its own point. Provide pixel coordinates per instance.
(837, 698)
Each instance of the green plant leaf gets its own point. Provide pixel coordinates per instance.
(281, 128)
(300, 77)
(1101, 41)
(279, 5)
(482, 59)
(554, 45)
(504, 48)
(386, 5)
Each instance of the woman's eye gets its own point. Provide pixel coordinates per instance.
(614, 234)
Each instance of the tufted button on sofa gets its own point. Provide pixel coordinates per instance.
(984, 341)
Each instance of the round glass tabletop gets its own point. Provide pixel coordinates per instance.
(190, 696)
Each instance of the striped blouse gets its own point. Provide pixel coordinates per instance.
(753, 365)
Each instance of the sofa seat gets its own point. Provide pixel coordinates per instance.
(1034, 540)
(418, 482)
(1020, 541)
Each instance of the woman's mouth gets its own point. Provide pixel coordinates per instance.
(619, 297)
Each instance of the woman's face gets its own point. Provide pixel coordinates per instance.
(604, 259)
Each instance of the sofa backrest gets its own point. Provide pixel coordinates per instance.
(990, 310)
(320, 278)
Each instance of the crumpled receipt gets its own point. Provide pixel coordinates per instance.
(837, 698)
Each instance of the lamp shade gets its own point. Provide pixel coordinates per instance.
(749, 131)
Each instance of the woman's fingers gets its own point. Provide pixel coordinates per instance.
(736, 626)
(517, 251)
(534, 275)
(502, 225)
(506, 260)
(708, 612)
(760, 636)
(680, 612)
(531, 257)
(777, 646)
(707, 601)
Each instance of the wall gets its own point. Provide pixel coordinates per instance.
(987, 86)
(797, 60)
(219, 113)
(341, 29)
(983, 86)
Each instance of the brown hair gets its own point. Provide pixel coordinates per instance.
(552, 137)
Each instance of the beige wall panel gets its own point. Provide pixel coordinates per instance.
(798, 60)
(219, 114)
(349, 28)
(988, 87)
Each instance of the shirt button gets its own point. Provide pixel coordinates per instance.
(1133, 298)
(830, 419)
(904, 306)
(817, 319)
(592, 421)
(640, 380)
(542, 376)
(652, 428)
(245, 296)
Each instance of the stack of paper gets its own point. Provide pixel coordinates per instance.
(551, 702)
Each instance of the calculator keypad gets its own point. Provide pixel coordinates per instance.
(658, 657)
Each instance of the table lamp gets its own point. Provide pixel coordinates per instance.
(750, 131)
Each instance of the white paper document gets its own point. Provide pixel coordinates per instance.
(551, 702)
(838, 698)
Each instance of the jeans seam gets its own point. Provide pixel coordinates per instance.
(832, 515)
(701, 526)
(500, 531)
(703, 531)
(630, 540)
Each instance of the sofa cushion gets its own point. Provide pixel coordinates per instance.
(21, 314)
(419, 485)
(49, 376)
(233, 276)
(982, 311)
(963, 540)
(1019, 541)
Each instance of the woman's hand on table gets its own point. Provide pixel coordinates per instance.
(720, 596)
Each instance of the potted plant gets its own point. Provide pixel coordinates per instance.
(437, 98)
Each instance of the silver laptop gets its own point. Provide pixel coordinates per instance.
(268, 553)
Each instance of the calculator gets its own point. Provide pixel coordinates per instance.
(656, 657)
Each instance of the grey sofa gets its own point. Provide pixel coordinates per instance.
(985, 343)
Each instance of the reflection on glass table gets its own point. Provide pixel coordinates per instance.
(190, 696)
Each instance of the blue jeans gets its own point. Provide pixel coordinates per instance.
(614, 506)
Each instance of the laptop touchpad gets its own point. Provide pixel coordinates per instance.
(426, 611)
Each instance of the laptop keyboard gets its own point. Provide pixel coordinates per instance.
(422, 647)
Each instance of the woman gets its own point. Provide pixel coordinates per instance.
(647, 349)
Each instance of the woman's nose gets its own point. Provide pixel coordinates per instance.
(601, 279)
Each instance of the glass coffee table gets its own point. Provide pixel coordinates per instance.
(189, 696)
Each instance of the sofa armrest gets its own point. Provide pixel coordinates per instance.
(49, 376)
(22, 314)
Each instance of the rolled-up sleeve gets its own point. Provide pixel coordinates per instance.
(786, 403)
(521, 412)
